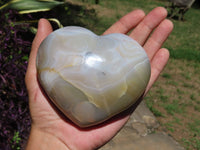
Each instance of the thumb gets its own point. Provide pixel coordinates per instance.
(44, 29)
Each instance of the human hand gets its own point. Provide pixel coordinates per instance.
(50, 129)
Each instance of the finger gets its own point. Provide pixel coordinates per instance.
(157, 65)
(144, 29)
(44, 29)
(126, 23)
(158, 38)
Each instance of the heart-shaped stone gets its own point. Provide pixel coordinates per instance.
(91, 78)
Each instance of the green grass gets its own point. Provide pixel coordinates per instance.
(172, 82)
(187, 85)
(179, 91)
(193, 142)
(177, 120)
(192, 97)
(197, 108)
(194, 126)
(170, 126)
(156, 112)
(174, 107)
(166, 75)
(183, 53)
(184, 40)
(164, 98)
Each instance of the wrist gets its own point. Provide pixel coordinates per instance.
(41, 140)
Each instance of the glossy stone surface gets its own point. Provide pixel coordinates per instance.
(91, 78)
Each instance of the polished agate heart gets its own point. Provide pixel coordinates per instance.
(91, 78)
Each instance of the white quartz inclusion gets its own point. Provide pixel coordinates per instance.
(90, 78)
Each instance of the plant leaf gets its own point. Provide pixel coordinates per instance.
(30, 6)
(56, 21)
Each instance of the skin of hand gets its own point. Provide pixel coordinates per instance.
(50, 129)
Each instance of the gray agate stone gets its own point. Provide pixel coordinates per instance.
(91, 78)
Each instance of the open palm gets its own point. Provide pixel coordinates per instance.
(46, 119)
